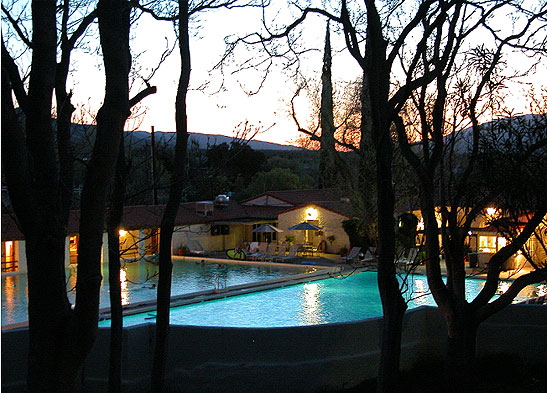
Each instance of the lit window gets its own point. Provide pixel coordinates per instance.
(491, 244)
(10, 252)
(487, 244)
(122, 232)
(73, 243)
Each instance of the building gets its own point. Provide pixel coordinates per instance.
(484, 240)
(212, 225)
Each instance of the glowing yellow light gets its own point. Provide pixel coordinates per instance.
(503, 287)
(9, 251)
(502, 242)
(122, 232)
(491, 211)
(311, 214)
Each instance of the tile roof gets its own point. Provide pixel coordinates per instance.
(298, 197)
(149, 216)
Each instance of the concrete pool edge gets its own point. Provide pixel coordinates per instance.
(284, 359)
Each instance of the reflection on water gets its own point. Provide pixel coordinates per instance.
(139, 282)
(124, 287)
(14, 291)
(352, 298)
(421, 290)
(311, 311)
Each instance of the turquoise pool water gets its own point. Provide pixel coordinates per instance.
(350, 298)
(139, 282)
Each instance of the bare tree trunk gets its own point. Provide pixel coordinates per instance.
(171, 209)
(461, 347)
(377, 80)
(116, 316)
(65, 107)
(114, 30)
(31, 174)
(49, 310)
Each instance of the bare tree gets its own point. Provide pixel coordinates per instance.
(448, 168)
(181, 17)
(115, 214)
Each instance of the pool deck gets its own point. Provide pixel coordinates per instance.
(333, 260)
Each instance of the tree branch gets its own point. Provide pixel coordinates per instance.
(495, 263)
(142, 95)
(15, 25)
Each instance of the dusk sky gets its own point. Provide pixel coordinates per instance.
(210, 111)
(220, 113)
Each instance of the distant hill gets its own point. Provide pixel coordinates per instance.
(204, 140)
(504, 130)
(85, 132)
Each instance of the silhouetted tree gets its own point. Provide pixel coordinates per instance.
(328, 172)
(451, 181)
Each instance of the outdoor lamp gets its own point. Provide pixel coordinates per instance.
(311, 214)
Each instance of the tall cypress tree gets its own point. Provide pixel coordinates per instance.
(327, 159)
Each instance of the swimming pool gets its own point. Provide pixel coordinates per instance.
(349, 298)
(139, 280)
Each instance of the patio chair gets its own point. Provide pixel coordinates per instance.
(354, 253)
(260, 252)
(253, 247)
(271, 252)
(369, 254)
(195, 248)
(410, 259)
(290, 256)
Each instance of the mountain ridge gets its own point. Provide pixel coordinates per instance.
(204, 140)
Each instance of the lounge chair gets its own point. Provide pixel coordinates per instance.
(410, 259)
(253, 247)
(369, 254)
(195, 248)
(260, 252)
(271, 252)
(291, 255)
(354, 253)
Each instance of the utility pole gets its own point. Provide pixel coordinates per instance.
(154, 180)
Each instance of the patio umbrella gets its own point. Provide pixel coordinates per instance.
(266, 228)
(304, 226)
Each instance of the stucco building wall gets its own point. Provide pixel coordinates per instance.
(328, 220)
